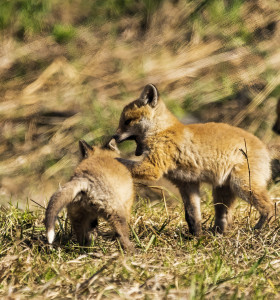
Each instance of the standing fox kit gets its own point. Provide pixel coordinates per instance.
(190, 154)
(100, 186)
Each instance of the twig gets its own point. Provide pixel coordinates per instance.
(249, 171)
(58, 218)
(38, 204)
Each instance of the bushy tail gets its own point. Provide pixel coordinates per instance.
(274, 151)
(60, 199)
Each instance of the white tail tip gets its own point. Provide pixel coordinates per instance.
(50, 236)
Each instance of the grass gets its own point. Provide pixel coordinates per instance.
(70, 79)
(167, 264)
(67, 69)
(63, 33)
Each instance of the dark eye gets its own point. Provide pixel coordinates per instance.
(127, 122)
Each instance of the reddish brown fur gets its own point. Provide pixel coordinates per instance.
(101, 186)
(190, 154)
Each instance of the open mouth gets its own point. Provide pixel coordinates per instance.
(276, 129)
(120, 140)
(139, 148)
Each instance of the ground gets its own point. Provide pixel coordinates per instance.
(168, 263)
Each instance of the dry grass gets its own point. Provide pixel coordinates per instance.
(168, 263)
(219, 63)
(211, 60)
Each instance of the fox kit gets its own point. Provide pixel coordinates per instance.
(190, 154)
(276, 127)
(101, 186)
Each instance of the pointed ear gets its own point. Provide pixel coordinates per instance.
(85, 148)
(112, 145)
(150, 95)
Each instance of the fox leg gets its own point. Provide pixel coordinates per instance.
(254, 193)
(264, 205)
(94, 225)
(223, 201)
(191, 198)
(120, 225)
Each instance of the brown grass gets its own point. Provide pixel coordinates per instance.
(212, 65)
(167, 264)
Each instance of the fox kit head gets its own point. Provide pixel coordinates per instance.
(276, 127)
(142, 118)
(87, 150)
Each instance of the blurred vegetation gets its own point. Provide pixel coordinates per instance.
(68, 67)
(23, 18)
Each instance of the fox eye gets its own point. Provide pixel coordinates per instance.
(128, 121)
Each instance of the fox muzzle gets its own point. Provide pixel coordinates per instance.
(122, 138)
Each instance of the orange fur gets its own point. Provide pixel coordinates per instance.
(190, 154)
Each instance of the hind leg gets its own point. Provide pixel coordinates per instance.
(83, 223)
(224, 199)
(84, 230)
(264, 205)
(120, 225)
(257, 195)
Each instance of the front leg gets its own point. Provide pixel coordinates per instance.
(142, 170)
(191, 198)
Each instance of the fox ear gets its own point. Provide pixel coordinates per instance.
(150, 95)
(112, 145)
(85, 148)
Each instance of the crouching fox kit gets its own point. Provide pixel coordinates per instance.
(189, 154)
(100, 186)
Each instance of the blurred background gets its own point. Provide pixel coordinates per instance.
(68, 67)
